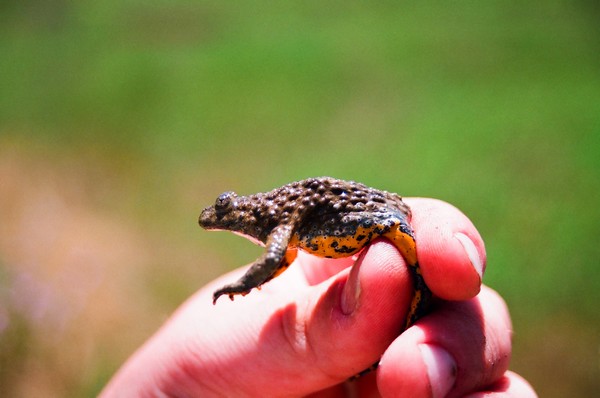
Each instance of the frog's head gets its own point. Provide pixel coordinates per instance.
(222, 215)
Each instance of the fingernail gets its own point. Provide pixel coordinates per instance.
(441, 369)
(471, 251)
(351, 293)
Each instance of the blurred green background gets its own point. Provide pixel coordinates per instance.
(120, 120)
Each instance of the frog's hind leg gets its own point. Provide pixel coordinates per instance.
(403, 238)
(421, 298)
(276, 258)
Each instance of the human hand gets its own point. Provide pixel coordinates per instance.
(322, 321)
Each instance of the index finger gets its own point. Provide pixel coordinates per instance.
(450, 250)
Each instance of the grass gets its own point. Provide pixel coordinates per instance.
(162, 105)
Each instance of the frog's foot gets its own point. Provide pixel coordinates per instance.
(276, 258)
(232, 289)
(255, 277)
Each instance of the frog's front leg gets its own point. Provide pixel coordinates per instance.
(276, 258)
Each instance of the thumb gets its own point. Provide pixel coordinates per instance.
(330, 332)
(358, 313)
(289, 339)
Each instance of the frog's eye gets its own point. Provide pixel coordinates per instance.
(224, 201)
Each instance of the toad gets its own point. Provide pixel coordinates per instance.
(324, 216)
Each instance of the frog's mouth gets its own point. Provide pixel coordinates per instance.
(250, 238)
(210, 221)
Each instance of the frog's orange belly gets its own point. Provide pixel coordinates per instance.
(332, 246)
(344, 246)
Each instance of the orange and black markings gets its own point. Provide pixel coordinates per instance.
(324, 216)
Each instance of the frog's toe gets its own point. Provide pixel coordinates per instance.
(231, 290)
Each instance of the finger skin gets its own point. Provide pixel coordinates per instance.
(446, 266)
(511, 385)
(476, 333)
(297, 335)
(286, 340)
(380, 288)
